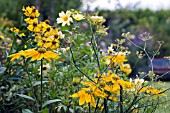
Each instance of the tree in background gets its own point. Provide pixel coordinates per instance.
(156, 23)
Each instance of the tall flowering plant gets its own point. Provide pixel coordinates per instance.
(75, 70)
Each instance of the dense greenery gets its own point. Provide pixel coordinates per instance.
(55, 62)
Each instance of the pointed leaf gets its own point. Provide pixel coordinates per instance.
(25, 96)
(39, 82)
(26, 111)
(51, 101)
(2, 69)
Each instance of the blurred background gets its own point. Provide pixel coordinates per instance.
(137, 16)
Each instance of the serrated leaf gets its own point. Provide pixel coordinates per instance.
(39, 82)
(2, 69)
(26, 111)
(25, 96)
(51, 101)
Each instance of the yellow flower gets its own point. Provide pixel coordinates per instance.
(151, 90)
(98, 92)
(76, 80)
(52, 43)
(111, 77)
(126, 68)
(115, 99)
(16, 56)
(22, 34)
(16, 30)
(65, 18)
(31, 11)
(35, 27)
(35, 55)
(126, 84)
(1, 37)
(43, 26)
(78, 17)
(39, 54)
(9, 45)
(97, 19)
(85, 95)
(117, 58)
(31, 20)
(102, 29)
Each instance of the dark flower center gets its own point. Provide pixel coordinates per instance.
(41, 50)
(44, 68)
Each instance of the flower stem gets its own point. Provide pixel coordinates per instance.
(89, 108)
(105, 106)
(41, 82)
(121, 99)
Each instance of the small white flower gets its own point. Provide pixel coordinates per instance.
(65, 18)
(139, 82)
(60, 35)
(110, 49)
(45, 69)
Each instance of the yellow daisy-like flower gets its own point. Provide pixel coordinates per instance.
(85, 95)
(35, 27)
(16, 30)
(31, 11)
(78, 17)
(65, 18)
(117, 58)
(40, 54)
(16, 56)
(31, 20)
(126, 68)
(35, 55)
(97, 19)
(52, 43)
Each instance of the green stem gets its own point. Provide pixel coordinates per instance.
(89, 108)
(41, 82)
(94, 45)
(105, 106)
(74, 63)
(96, 105)
(121, 99)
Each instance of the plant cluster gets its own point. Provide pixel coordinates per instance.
(53, 65)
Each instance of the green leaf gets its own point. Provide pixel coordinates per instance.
(51, 101)
(2, 69)
(39, 82)
(26, 111)
(46, 110)
(25, 96)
